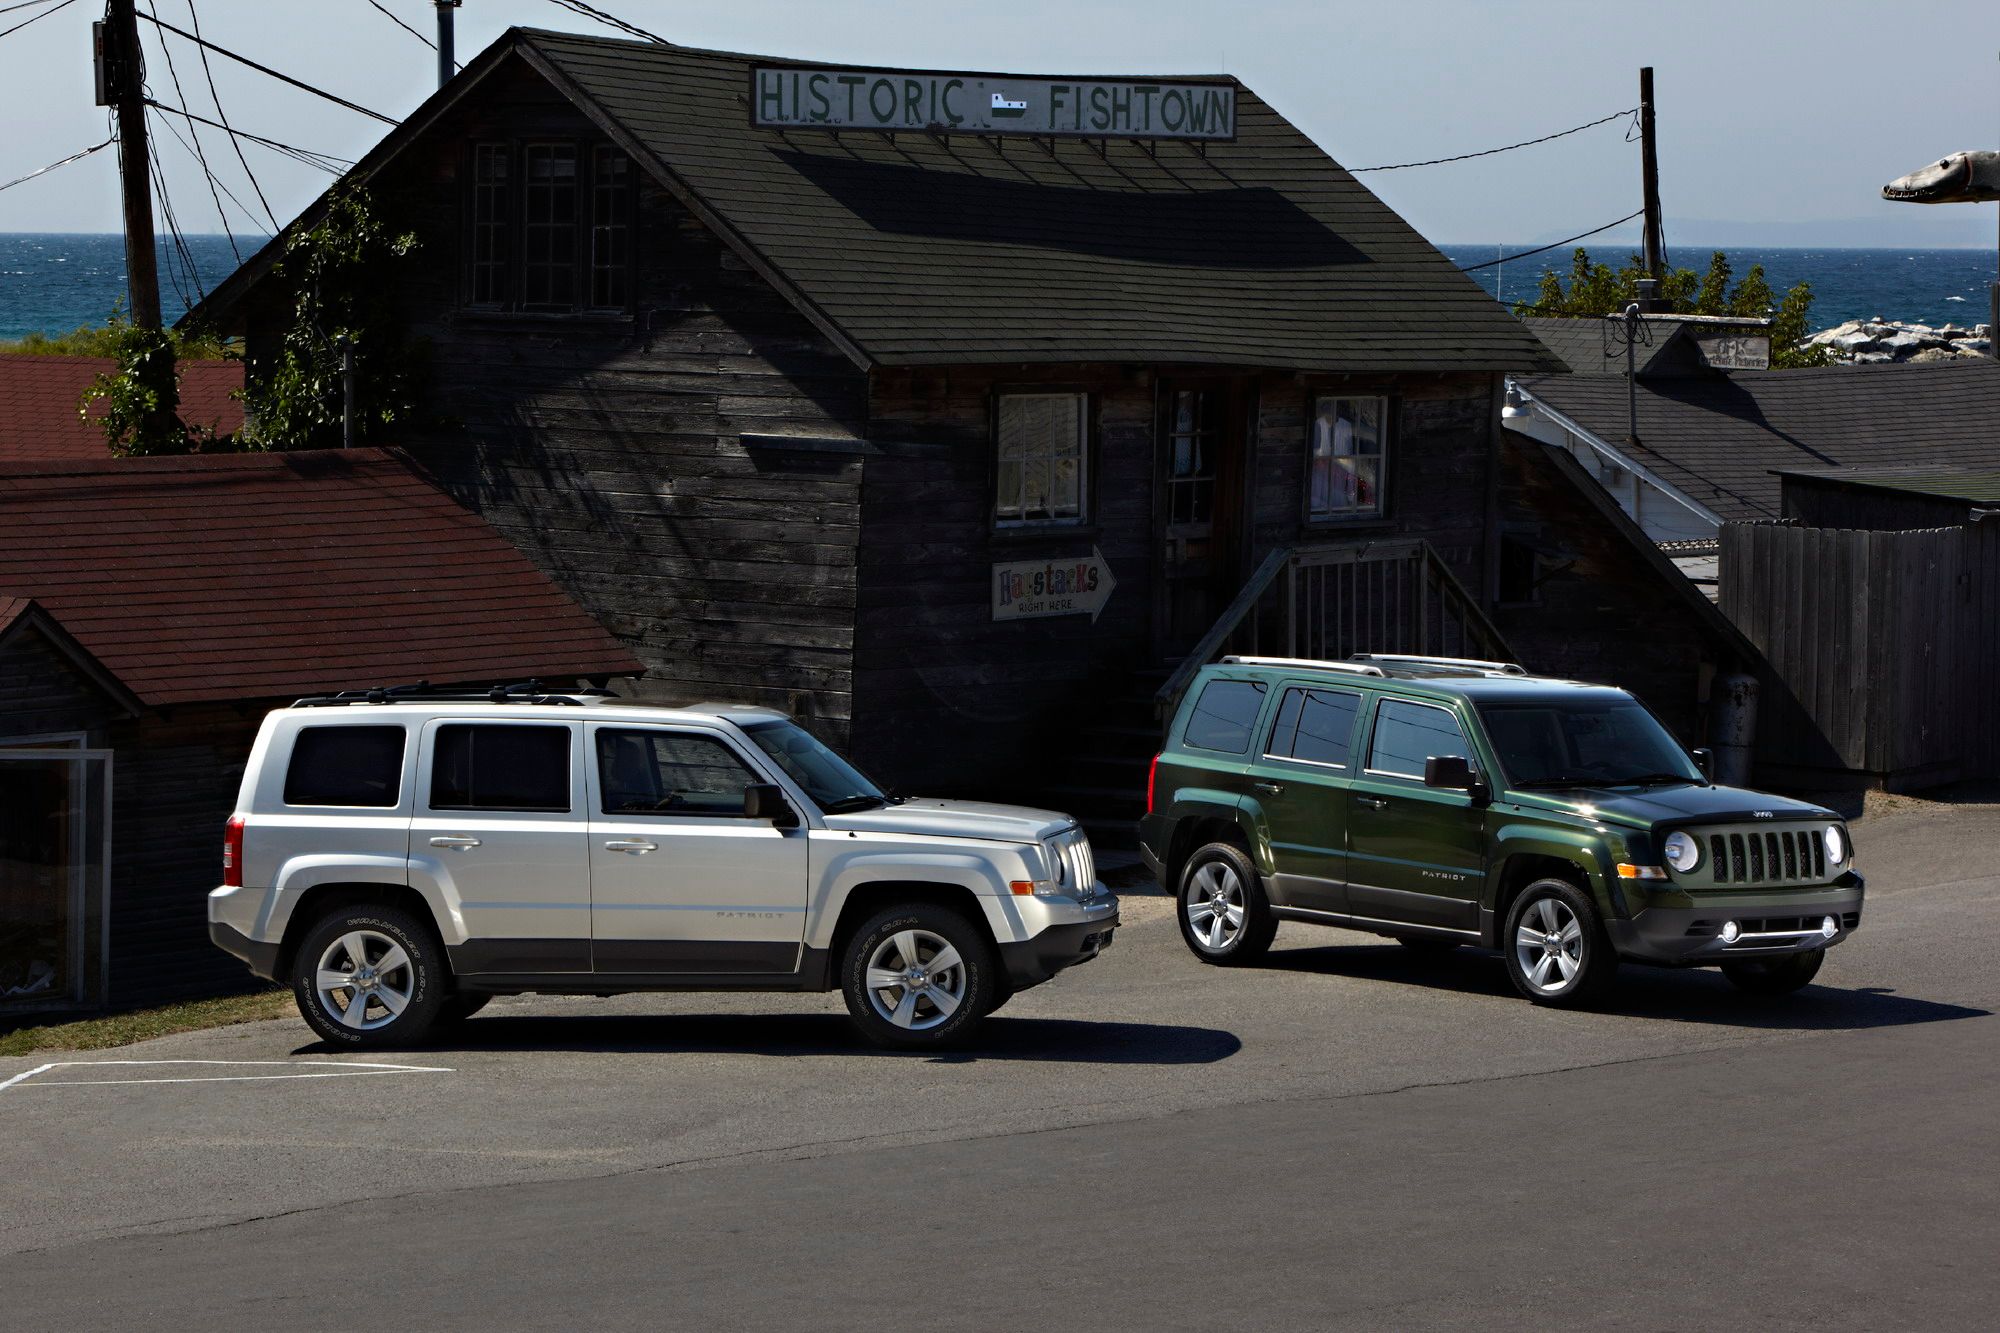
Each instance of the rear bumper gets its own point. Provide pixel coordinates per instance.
(1033, 961)
(261, 958)
(1772, 925)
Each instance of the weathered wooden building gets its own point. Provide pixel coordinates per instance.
(934, 408)
(151, 611)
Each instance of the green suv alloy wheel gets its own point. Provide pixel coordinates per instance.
(1224, 915)
(1556, 948)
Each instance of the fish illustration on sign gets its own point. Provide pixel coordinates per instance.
(1006, 110)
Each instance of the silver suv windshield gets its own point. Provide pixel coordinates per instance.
(1585, 743)
(833, 784)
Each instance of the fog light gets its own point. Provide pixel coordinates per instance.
(1731, 932)
(1829, 927)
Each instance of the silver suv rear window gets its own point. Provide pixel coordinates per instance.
(354, 766)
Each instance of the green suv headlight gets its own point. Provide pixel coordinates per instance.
(1683, 853)
(1836, 845)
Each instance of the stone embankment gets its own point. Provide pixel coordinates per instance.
(1866, 340)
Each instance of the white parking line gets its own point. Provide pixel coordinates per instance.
(330, 1068)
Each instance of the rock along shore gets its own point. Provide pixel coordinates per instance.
(1878, 339)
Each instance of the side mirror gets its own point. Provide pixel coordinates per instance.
(766, 801)
(1452, 773)
(1704, 759)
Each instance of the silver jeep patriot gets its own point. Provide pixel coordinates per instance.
(400, 856)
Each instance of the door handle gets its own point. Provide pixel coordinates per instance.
(1372, 802)
(1270, 788)
(636, 846)
(457, 843)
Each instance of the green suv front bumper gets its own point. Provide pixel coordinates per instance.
(1676, 934)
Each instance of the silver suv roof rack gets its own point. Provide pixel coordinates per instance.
(1309, 663)
(1470, 663)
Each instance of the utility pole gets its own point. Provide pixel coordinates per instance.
(1655, 234)
(345, 345)
(445, 23)
(120, 80)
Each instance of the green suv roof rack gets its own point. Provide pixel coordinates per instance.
(1443, 663)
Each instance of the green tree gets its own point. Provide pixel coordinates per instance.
(141, 393)
(343, 273)
(1595, 290)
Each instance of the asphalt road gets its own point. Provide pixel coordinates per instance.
(1349, 1137)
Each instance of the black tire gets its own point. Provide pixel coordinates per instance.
(1775, 976)
(973, 978)
(1217, 878)
(1428, 946)
(461, 1005)
(420, 978)
(1594, 962)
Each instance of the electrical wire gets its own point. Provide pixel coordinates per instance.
(65, 4)
(385, 12)
(215, 183)
(23, 4)
(1553, 245)
(326, 162)
(335, 98)
(1488, 152)
(235, 144)
(59, 162)
(199, 156)
(164, 203)
(610, 20)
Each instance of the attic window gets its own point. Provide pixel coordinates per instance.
(550, 227)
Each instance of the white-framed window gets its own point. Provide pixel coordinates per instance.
(1041, 474)
(1346, 457)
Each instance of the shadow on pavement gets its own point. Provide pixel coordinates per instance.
(1690, 995)
(1042, 1040)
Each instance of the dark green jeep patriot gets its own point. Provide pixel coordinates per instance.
(1443, 802)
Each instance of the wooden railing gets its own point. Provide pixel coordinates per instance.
(1331, 600)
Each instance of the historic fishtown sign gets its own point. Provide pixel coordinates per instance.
(839, 99)
(1027, 589)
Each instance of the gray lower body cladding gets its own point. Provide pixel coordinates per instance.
(1031, 962)
(1770, 926)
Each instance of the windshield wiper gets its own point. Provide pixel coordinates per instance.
(1560, 782)
(1653, 780)
(849, 804)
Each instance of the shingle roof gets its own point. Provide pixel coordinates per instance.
(915, 249)
(1979, 485)
(253, 576)
(39, 394)
(1720, 438)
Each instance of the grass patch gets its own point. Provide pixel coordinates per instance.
(95, 1034)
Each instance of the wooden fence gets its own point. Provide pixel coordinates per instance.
(1882, 645)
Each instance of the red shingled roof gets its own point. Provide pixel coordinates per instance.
(38, 397)
(255, 576)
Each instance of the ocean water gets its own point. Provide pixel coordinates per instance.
(1916, 286)
(52, 283)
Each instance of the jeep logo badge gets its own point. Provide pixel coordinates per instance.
(1762, 814)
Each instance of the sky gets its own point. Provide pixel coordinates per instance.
(1779, 120)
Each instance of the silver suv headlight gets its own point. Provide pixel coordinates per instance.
(1837, 850)
(1683, 853)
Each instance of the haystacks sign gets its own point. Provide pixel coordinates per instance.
(1030, 589)
(838, 99)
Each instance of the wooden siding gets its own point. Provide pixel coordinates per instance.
(1882, 644)
(644, 461)
(42, 692)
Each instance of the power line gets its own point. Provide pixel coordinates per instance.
(65, 4)
(59, 162)
(215, 184)
(1553, 245)
(199, 156)
(610, 20)
(23, 4)
(1488, 152)
(159, 22)
(235, 144)
(326, 162)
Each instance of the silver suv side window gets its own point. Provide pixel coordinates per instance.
(1407, 734)
(648, 772)
(500, 766)
(1223, 716)
(349, 766)
(1315, 727)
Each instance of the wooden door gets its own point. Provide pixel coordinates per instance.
(1203, 429)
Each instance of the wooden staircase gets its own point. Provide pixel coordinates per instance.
(1104, 771)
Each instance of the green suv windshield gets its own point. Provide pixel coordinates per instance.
(834, 784)
(1578, 743)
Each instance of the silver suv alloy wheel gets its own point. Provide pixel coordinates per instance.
(916, 980)
(1548, 945)
(1215, 907)
(364, 980)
